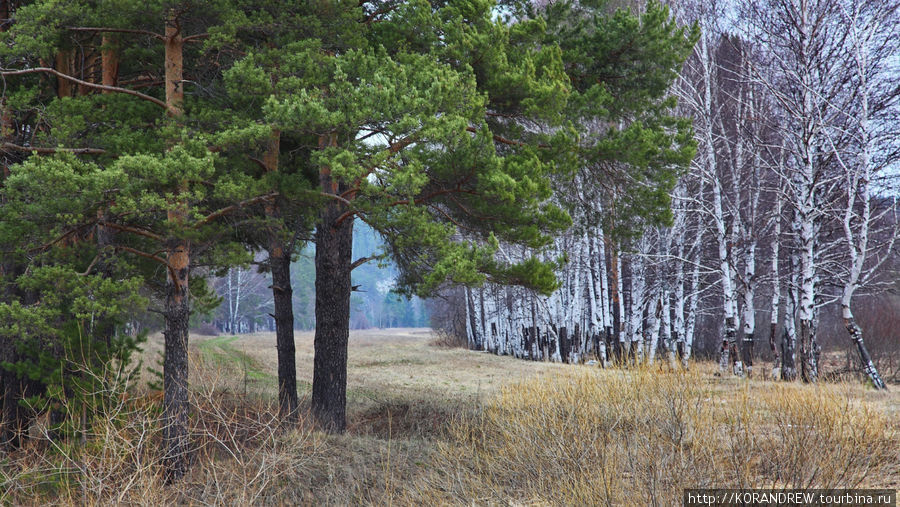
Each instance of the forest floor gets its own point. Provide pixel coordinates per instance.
(384, 366)
(406, 365)
(432, 425)
(412, 404)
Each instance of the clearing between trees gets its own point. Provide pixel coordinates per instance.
(434, 425)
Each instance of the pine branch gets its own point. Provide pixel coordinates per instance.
(362, 260)
(134, 230)
(115, 30)
(42, 149)
(88, 84)
(234, 207)
(149, 256)
(503, 140)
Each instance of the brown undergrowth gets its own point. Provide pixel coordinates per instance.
(564, 436)
(639, 437)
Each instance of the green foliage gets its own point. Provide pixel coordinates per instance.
(401, 103)
(632, 147)
(448, 130)
(88, 234)
(71, 339)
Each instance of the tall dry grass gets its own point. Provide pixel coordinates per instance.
(580, 436)
(638, 437)
(240, 455)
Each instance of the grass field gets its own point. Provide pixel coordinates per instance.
(384, 365)
(433, 425)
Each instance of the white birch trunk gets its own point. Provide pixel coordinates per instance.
(635, 319)
(749, 307)
(776, 291)
(857, 225)
(654, 320)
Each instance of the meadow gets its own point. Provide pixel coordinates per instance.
(429, 425)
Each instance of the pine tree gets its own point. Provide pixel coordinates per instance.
(152, 197)
(393, 121)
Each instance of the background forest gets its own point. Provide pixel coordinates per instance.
(781, 240)
(247, 302)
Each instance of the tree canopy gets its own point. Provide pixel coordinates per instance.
(177, 137)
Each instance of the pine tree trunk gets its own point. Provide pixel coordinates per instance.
(334, 241)
(110, 63)
(177, 309)
(63, 65)
(282, 294)
(175, 366)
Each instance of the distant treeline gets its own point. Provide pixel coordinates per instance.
(247, 302)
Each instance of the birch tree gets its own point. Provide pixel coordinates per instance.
(699, 90)
(869, 224)
(802, 38)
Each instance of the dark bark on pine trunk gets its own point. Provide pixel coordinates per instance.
(868, 365)
(175, 400)
(334, 242)
(282, 294)
(63, 62)
(110, 62)
(177, 304)
(175, 364)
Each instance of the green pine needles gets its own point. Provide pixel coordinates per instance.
(148, 145)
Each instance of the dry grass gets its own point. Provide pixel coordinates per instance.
(431, 425)
(587, 437)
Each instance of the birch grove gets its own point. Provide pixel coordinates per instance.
(788, 209)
